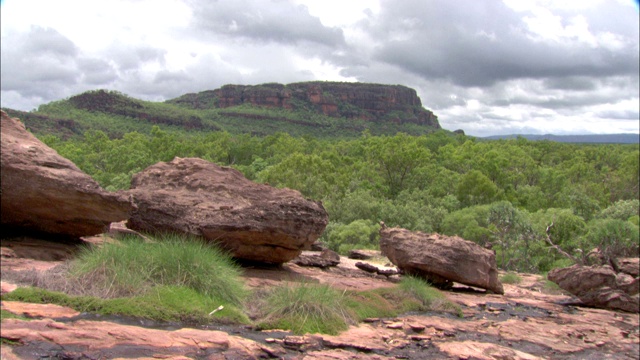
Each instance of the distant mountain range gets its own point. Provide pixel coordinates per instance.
(587, 139)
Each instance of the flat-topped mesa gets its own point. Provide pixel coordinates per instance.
(371, 102)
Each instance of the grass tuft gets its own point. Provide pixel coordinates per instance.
(307, 308)
(162, 303)
(312, 308)
(173, 278)
(5, 314)
(133, 267)
(510, 278)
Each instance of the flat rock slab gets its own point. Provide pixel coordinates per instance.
(254, 222)
(39, 310)
(103, 339)
(42, 192)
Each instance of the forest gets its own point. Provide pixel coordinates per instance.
(539, 204)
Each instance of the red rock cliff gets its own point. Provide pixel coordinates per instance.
(372, 102)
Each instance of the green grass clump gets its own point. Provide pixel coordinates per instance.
(372, 303)
(428, 297)
(312, 308)
(307, 308)
(162, 303)
(510, 278)
(172, 278)
(133, 267)
(5, 314)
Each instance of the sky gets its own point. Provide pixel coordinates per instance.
(488, 67)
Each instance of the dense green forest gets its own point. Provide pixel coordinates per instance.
(518, 196)
(538, 204)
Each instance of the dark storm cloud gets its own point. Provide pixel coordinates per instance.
(42, 65)
(131, 57)
(276, 21)
(96, 71)
(47, 41)
(38, 62)
(631, 115)
(483, 42)
(576, 83)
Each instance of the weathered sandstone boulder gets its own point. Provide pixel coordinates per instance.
(46, 193)
(441, 259)
(252, 221)
(599, 286)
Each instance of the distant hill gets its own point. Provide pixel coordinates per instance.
(319, 109)
(587, 139)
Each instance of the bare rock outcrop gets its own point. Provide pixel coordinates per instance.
(43, 192)
(600, 286)
(441, 259)
(254, 222)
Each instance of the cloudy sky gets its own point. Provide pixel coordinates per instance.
(485, 66)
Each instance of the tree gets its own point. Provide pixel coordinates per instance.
(359, 234)
(621, 210)
(476, 189)
(310, 174)
(396, 158)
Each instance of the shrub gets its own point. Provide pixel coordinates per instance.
(614, 238)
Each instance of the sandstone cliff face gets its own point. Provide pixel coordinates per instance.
(372, 102)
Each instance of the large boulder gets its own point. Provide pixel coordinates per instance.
(600, 286)
(252, 221)
(42, 192)
(441, 259)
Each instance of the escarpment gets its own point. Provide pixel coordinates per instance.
(369, 102)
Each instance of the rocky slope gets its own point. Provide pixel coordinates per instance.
(527, 322)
